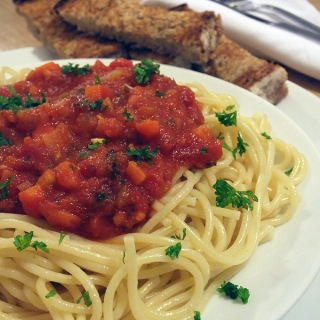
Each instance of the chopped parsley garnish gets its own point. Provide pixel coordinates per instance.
(264, 134)
(204, 150)
(143, 153)
(31, 103)
(83, 153)
(233, 291)
(289, 172)
(97, 104)
(96, 145)
(100, 197)
(227, 194)
(160, 94)
(184, 233)
(127, 115)
(24, 242)
(62, 235)
(4, 188)
(86, 298)
(123, 256)
(4, 141)
(51, 294)
(39, 245)
(143, 71)
(241, 147)
(173, 251)
(197, 315)
(98, 80)
(13, 103)
(227, 119)
(74, 68)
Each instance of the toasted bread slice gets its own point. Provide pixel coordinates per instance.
(234, 64)
(62, 38)
(190, 35)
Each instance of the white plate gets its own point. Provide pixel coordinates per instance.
(281, 270)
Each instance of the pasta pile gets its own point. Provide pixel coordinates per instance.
(131, 277)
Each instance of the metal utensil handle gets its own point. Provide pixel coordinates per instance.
(292, 16)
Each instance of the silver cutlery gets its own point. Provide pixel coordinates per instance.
(275, 16)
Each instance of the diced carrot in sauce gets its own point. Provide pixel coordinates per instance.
(99, 91)
(47, 179)
(149, 129)
(135, 173)
(68, 175)
(30, 199)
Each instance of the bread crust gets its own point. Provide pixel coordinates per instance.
(187, 34)
(62, 38)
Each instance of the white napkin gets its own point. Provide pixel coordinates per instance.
(265, 41)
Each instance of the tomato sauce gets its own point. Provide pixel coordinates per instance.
(94, 155)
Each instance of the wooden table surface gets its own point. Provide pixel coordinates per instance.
(14, 34)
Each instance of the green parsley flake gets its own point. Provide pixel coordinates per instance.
(289, 172)
(62, 235)
(143, 71)
(31, 103)
(39, 245)
(71, 68)
(160, 94)
(234, 291)
(227, 194)
(96, 145)
(4, 141)
(173, 251)
(241, 147)
(4, 188)
(227, 119)
(51, 294)
(184, 233)
(204, 150)
(24, 242)
(123, 256)
(197, 315)
(86, 298)
(127, 115)
(264, 134)
(97, 105)
(98, 80)
(143, 153)
(100, 197)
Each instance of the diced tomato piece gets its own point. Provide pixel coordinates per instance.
(68, 175)
(44, 72)
(111, 128)
(59, 218)
(99, 91)
(121, 63)
(149, 129)
(30, 199)
(135, 173)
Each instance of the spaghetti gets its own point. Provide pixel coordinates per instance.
(130, 276)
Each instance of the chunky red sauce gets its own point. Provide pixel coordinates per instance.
(98, 188)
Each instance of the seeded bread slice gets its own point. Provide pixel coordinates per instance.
(190, 35)
(62, 38)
